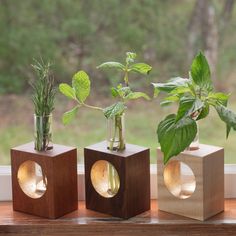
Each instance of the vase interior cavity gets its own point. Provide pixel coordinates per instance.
(32, 179)
(179, 179)
(105, 179)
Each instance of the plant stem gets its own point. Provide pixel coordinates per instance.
(116, 179)
(113, 180)
(93, 107)
(114, 137)
(120, 132)
(126, 79)
(42, 133)
(110, 179)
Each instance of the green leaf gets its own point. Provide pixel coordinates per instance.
(204, 111)
(114, 92)
(228, 129)
(188, 106)
(67, 90)
(200, 72)
(196, 108)
(165, 103)
(170, 85)
(130, 56)
(218, 98)
(141, 68)
(69, 115)
(170, 99)
(228, 116)
(136, 95)
(181, 90)
(112, 64)
(81, 85)
(185, 104)
(115, 109)
(123, 91)
(175, 137)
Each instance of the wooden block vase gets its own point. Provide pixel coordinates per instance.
(117, 182)
(44, 183)
(192, 183)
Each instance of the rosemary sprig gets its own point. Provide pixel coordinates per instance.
(44, 91)
(43, 99)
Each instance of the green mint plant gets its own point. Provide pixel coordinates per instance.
(43, 99)
(195, 96)
(80, 90)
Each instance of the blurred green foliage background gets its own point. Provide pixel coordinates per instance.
(81, 34)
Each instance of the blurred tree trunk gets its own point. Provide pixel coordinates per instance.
(225, 17)
(204, 31)
(194, 27)
(210, 43)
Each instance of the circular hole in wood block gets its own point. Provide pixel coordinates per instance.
(179, 179)
(32, 179)
(105, 178)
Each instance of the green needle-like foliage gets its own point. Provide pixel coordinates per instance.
(195, 97)
(43, 99)
(43, 88)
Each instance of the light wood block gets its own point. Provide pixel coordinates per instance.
(207, 165)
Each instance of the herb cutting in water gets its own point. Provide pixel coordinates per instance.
(195, 96)
(80, 90)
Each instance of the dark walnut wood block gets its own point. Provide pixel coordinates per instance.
(44, 183)
(85, 222)
(133, 168)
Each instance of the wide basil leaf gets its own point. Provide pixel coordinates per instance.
(113, 110)
(228, 116)
(81, 85)
(141, 68)
(136, 95)
(111, 64)
(200, 72)
(69, 115)
(67, 90)
(175, 137)
(170, 85)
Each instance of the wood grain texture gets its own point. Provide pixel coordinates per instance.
(89, 223)
(133, 167)
(207, 164)
(60, 168)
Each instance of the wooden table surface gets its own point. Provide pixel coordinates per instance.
(86, 222)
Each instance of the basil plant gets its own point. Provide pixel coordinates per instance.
(195, 97)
